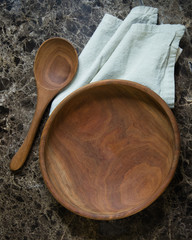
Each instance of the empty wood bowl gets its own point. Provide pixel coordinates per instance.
(109, 149)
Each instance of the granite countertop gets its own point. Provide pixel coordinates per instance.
(27, 209)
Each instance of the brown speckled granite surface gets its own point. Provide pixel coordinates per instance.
(27, 209)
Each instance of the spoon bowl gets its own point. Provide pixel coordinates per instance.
(55, 65)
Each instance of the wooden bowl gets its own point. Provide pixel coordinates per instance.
(109, 149)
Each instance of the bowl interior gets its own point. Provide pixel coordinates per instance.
(109, 151)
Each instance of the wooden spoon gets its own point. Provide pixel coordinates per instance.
(55, 66)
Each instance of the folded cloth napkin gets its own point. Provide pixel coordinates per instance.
(136, 49)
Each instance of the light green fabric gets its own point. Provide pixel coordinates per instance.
(135, 49)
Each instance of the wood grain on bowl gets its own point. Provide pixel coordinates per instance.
(109, 150)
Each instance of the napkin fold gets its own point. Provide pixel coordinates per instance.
(136, 49)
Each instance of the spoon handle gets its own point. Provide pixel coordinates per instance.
(20, 157)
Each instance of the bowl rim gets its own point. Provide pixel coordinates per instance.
(155, 195)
